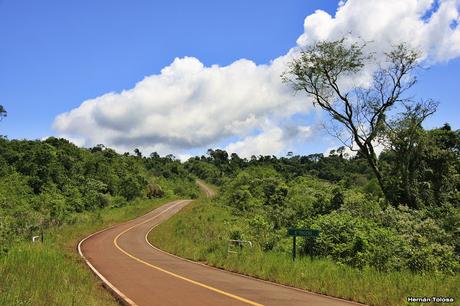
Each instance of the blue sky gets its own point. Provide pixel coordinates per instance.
(54, 55)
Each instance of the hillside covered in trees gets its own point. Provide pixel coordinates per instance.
(416, 227)
(46, 183)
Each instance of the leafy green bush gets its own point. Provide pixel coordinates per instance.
(357, 242)
(402, 241)
(427, 246)
(154, 190)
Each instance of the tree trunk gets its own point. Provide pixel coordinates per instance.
(372, 161)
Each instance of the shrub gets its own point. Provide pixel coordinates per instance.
(357, 242)
(427, 247)
(154, 190)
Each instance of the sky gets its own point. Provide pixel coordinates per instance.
(183, 76)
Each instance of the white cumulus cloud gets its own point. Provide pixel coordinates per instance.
(189, 105)
(429, 25)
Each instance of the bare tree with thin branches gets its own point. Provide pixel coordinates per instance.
(361, 113)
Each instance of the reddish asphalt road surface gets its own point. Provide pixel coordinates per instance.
(144, 275)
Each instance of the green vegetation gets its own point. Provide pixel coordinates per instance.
(34, 274)
(3, 112)
(373, 247)
(44, 184)
(53, 271)
(381, 112)
(69, 192)
(201, 231)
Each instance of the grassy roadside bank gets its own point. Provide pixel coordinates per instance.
(201, 230)
(53, 273)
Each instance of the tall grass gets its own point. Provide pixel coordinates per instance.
(40, 275)
(52, 273)
(201, 231)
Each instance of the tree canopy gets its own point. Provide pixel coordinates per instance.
(2, 112)
(362, 112)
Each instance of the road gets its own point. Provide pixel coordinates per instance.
(206, 189)
(140, 274)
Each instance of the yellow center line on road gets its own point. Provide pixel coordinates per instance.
(115, 242)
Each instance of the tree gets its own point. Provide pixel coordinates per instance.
(407, 142)
(425, 164)
(2, 112)
(138, 153)
(360, 113)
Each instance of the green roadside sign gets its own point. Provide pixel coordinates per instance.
(304, 232)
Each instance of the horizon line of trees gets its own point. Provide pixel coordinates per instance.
(419, 174)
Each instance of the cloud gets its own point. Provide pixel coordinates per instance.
(273, 140)
(269, 142)
(425, 24)
(186, 106)
(189, 105)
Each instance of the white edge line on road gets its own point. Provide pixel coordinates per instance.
(127, 301)
(118, 294)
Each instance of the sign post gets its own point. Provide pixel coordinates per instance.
(305, 232)
(293, 248)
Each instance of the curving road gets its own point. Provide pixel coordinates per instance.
(140, 274)
(206, 189)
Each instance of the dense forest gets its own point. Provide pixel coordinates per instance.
(413, 225)
(46, 183)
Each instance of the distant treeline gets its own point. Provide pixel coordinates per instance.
(44, 183)
(422, 172)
